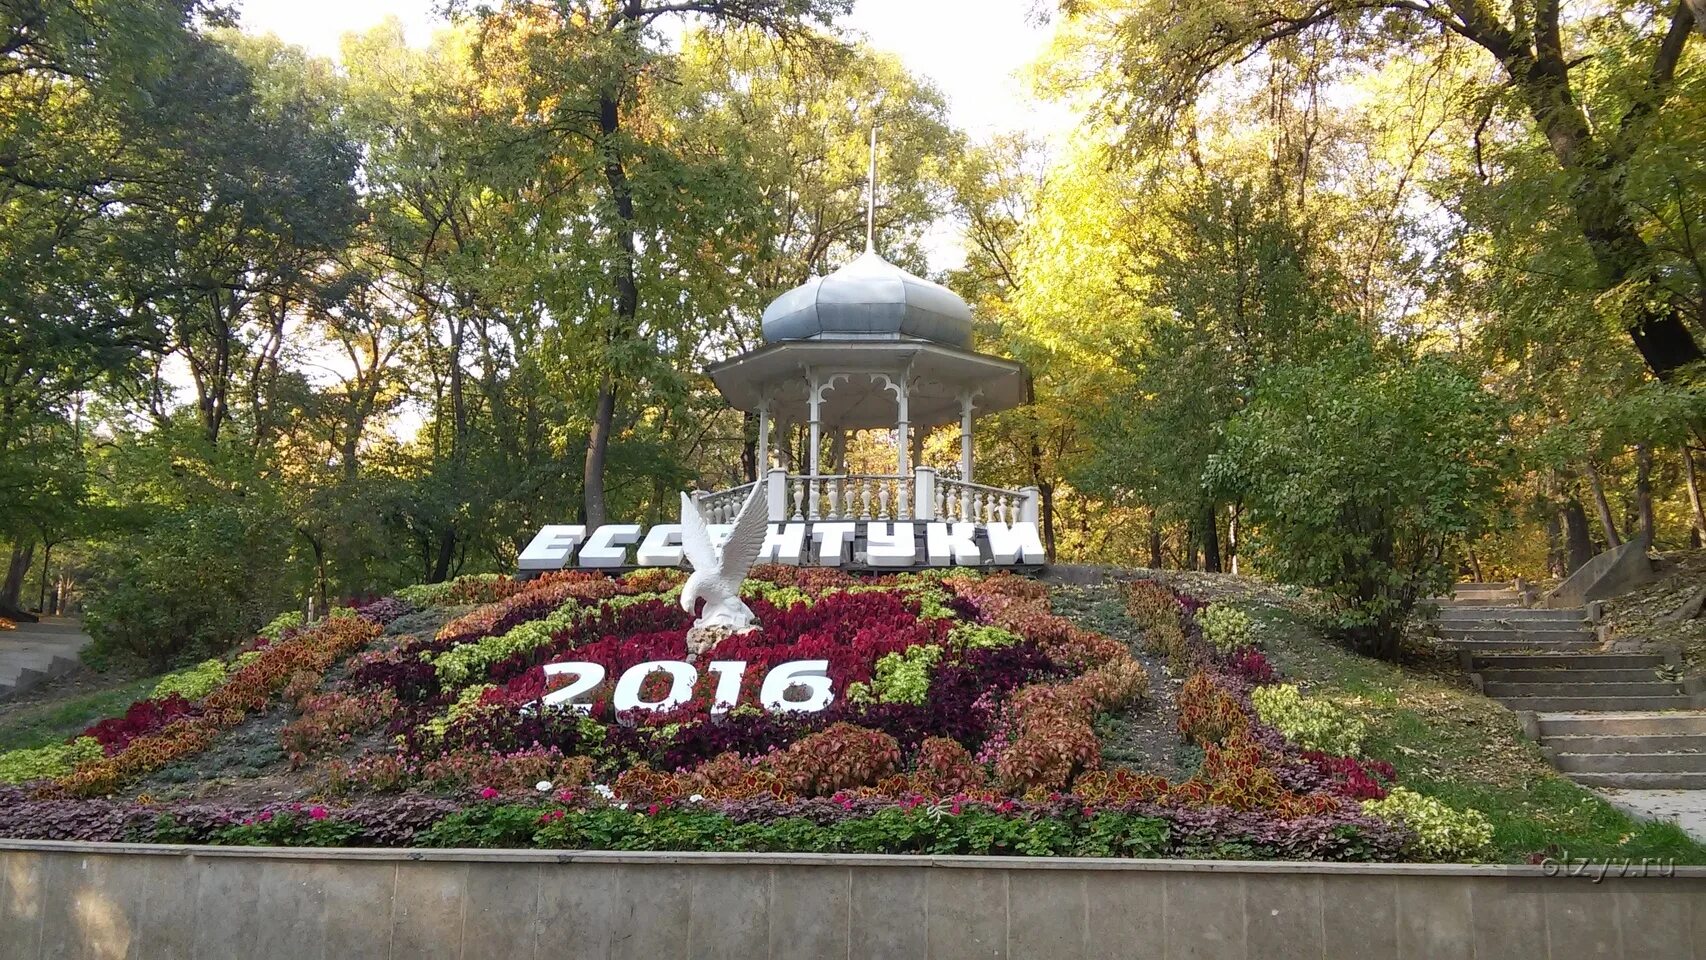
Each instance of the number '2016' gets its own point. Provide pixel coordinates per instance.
(780, 691)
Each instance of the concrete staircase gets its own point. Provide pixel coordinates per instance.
(37, 652)
(1619, 722)
(1634, 750)
(1578, 682)
(1604, 719)
(1492, 618)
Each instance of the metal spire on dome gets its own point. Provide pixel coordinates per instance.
(871, 198)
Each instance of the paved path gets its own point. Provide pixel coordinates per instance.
(37, 652)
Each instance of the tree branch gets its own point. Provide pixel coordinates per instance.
(1659, 79)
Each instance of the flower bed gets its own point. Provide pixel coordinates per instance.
(963, 721)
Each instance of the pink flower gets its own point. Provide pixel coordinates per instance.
(266, 815)
(316, 813)
(488, 794)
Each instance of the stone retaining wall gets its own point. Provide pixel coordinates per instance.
(225, 903)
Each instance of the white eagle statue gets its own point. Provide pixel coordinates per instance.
(718, 572)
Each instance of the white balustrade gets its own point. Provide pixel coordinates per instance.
(875, 497)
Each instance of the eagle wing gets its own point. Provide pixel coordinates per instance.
(696, 537)
(751, 526)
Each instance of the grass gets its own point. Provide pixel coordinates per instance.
(45, 721)
(1451, 743)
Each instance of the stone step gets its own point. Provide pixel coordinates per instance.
(1566, 674)
(1479, 600)
(36, 652)
(1567, 661)
(1486, 586)
(1518, 615)
(1627, 724)
(1656, 743)
(1648, 688)
(1540, 635)
(1521, 646)
(1642, 781)
(1683, 762)
(1594, 704)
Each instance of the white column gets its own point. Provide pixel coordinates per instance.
(965, 436)
(776, 494)
(902, 440)
(924, 493)
(814, 399)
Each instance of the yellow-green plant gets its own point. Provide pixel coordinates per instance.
(1442, 832)
(1226, 627)
(191, 683)
(466, 702)
(284, 621)
(1309, 722)
(899, 677)
(53, 760)
(975, 636)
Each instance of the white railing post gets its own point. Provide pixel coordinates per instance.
(924, 493)
(776, 495)
(1028, 509)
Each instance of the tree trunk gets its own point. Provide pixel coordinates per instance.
(1602, 507)
(1644, 491)
(1654, 318)
(1578, 545)
(445, 554)
(1232, 511)
(785, 445)
(41, 592)
(749, 445)
(322, 604)
(627, 303)
(11, 594)
(1693, 493)
(1155, 560)
(1045, 492)
(597, 451)
(1211, 541)
(1556, 560)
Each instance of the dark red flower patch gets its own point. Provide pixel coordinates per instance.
(144, 717)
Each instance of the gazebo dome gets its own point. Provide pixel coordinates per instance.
(869, 299)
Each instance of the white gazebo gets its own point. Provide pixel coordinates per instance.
(870, 346)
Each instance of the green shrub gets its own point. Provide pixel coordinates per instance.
(190, 579)
(1442, 833)
(193, 683)
(1313, 724)
(1225, 627)
(1361, 473)
(53, 760)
